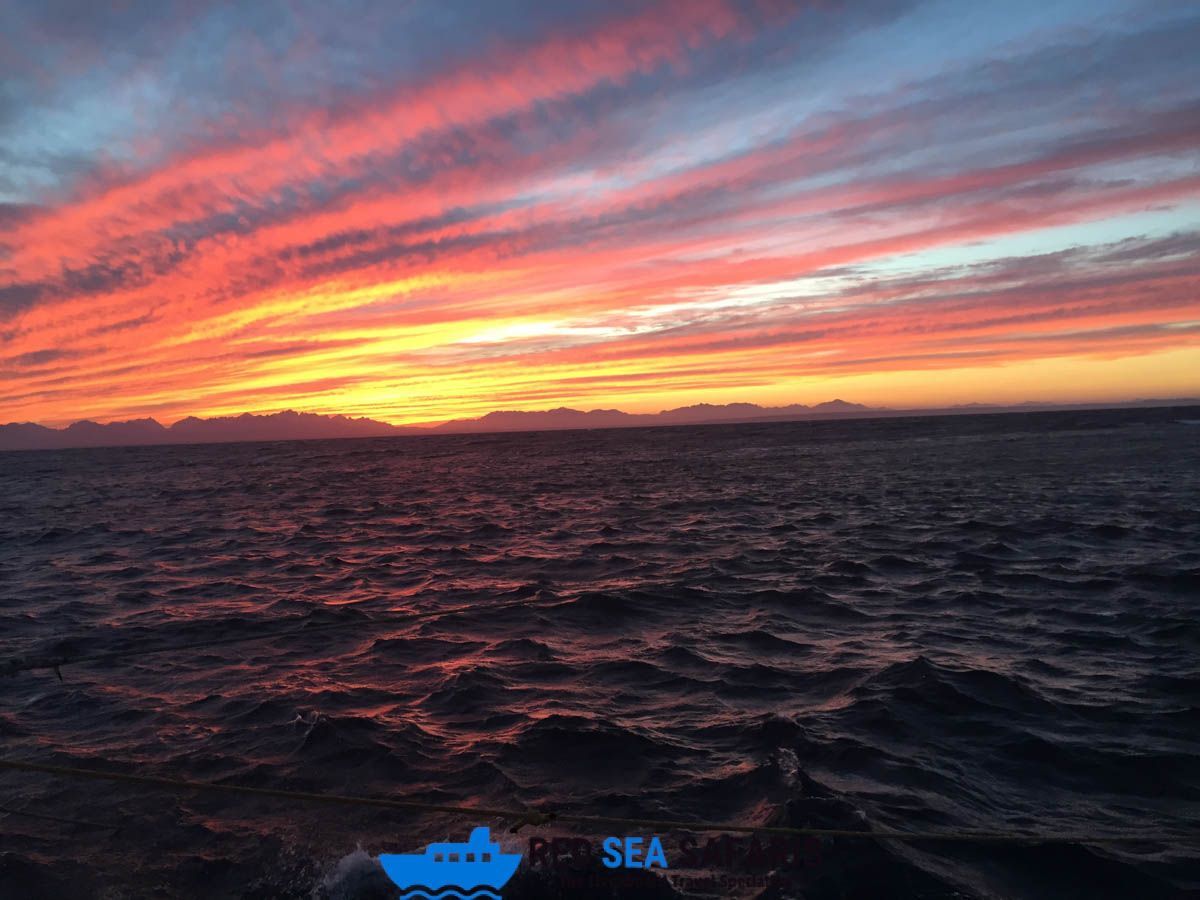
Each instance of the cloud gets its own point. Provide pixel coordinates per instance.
(15, 297)
(665, 191)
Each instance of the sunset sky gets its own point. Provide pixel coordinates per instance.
(425, 210)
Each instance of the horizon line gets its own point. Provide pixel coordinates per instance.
(425, 424)
(847, 412)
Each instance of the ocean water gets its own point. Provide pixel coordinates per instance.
(979, 622)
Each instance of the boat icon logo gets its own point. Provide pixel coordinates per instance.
(476, 870)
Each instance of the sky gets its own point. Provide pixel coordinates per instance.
(422, 210)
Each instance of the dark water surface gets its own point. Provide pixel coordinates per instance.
(983, 622)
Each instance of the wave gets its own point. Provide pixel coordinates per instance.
(871, 625)
(446, 893)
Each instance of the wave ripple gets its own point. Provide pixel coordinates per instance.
(976, 622)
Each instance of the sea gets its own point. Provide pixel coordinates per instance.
(942, 624)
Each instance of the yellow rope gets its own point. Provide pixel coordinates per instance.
(541, 817)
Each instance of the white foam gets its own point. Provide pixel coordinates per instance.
(350, 877)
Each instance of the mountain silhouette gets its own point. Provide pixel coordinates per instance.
(292, 426)
(699, 414)
(281, 426)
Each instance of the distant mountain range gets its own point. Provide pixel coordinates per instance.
(292, 426)
(700, 414)
(283, 426)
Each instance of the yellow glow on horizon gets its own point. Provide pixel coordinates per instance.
(417, 397)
